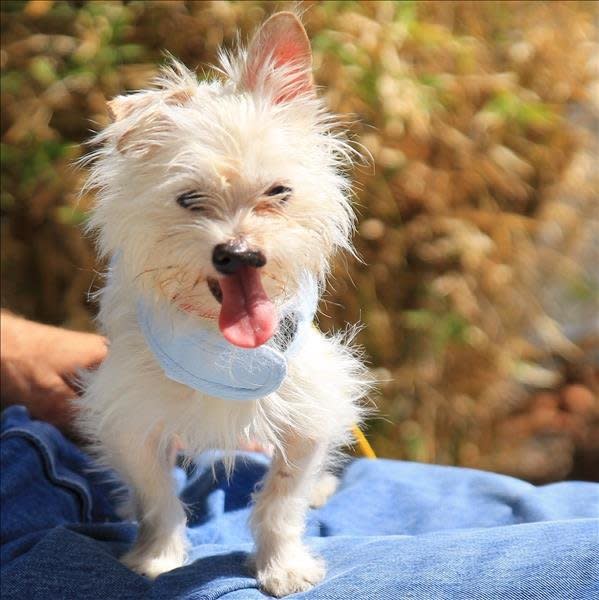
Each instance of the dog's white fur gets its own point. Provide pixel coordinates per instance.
(258, 125)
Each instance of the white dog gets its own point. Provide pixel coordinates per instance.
(220, 205)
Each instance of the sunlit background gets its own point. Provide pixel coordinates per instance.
(479, 290)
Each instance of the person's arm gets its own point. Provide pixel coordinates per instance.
(39, 366)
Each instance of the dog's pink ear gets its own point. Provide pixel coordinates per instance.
(281, 44)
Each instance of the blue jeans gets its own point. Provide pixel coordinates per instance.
(393, 530)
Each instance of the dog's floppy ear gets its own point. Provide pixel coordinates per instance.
(118, 108)
(280, 55)
(145, 130)
(121, 107)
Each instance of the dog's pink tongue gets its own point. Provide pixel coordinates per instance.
(247, 317)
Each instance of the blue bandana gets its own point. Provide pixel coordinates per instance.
(198, 356)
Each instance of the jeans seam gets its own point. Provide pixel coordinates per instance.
(50, 469)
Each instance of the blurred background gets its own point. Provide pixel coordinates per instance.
(479, 212)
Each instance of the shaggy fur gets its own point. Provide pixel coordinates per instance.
(260, 124)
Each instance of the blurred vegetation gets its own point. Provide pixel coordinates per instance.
(479, 287)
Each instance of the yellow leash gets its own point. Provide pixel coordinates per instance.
(363, 445)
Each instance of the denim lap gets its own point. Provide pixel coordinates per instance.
(394, 530)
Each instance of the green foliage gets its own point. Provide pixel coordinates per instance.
(510, 108)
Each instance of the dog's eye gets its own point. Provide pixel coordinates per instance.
(191, 200)
(280, 190)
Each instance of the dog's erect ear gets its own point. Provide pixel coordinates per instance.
(280, 44)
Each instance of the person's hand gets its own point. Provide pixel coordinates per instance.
(40, 363)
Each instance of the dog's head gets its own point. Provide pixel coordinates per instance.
(219, 195)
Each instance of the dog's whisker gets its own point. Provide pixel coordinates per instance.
(146, 271)
(198, 279)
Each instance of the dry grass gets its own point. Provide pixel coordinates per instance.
(478, 209)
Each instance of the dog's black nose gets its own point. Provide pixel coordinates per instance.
(230, 257)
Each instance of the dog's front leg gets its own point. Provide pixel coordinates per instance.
(160, 545)
(283, 563)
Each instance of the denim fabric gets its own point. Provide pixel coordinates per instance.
(394, 530)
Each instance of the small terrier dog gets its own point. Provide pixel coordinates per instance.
(220, 204)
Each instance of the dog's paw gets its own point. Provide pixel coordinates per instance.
(152, 566)
(297, 574)
(323, 489)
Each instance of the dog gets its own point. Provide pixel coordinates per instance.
(220, 205)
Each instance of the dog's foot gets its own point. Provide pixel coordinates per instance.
(323, 489)
(295, 573)
(152, 566)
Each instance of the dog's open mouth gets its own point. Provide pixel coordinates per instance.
(214, 287)
(247, 316)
